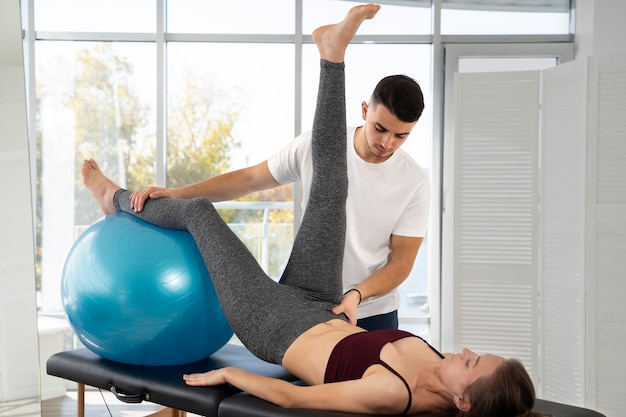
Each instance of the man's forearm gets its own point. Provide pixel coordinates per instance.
(395, 272)
(231, 185)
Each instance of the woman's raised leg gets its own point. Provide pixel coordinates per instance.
(317, 256)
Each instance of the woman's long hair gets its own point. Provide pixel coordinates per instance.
(508, 392)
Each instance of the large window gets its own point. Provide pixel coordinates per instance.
(471, 17)
(171, 92)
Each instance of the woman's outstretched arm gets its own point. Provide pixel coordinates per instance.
(380, 393)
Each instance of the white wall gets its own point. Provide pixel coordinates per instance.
(600, 27)
(19, 359)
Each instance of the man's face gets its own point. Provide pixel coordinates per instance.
(384, 132)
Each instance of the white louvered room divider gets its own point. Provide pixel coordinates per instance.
(606, 240)
(536, 215)
(562, 271)
(491, 272)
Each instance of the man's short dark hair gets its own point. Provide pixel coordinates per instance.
(401, 95)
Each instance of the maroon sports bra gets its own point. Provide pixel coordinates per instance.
(357, 352)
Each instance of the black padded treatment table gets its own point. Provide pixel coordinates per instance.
(164, 385)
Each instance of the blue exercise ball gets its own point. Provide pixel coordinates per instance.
(140, 294)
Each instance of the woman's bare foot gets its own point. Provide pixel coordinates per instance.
(101, 187)
(332, 40)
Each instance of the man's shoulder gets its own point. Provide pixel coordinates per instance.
(409, 162)
(404, 166)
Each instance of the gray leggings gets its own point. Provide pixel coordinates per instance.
(265, 315)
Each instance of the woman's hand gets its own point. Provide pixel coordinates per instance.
(138, 198)
(210, 378)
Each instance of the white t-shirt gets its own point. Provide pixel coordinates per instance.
(390, 197)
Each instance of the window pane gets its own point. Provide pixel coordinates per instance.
(390, 20)
(269, 240)
(233, 16)
(231, 106)
(362, 74)
(466, 18)
(134, 16)
(246, 88)
(94, 100)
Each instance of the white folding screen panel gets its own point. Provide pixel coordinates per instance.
(534, 251)
(490, 274)
(606, 223)
(563, 242)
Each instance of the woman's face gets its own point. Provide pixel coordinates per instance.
(460, 370)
